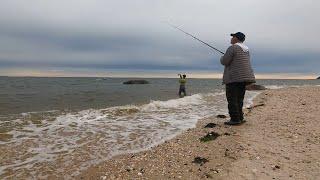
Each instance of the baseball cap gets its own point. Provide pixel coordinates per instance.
(239, 35)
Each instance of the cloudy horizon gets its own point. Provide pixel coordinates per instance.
(54, 36)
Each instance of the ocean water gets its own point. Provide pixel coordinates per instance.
(60, 126)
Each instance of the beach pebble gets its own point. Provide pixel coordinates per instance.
(210, 125)
(221, 116)
(141, 170)
(276, 167)
(103, 177)
(214, 171)
(128, 169)
(200, 160)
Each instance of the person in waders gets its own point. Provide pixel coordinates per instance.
(237, 74)
(182, 82)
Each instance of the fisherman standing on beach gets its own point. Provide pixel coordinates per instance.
(182, 82)
(237, 74)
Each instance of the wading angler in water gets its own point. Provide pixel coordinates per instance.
(237, 74)
(182, 82)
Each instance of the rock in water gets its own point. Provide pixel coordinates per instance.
(253, 87)
(136, 82)
(318, 77)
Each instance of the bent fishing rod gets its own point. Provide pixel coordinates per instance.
(195, 37)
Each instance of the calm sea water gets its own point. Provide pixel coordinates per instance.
(18, 95)
(69, 124)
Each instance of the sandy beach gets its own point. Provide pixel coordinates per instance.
(280, 140)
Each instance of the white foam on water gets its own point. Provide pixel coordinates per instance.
(91, 136)
(276, 87)
(288, 86)
(181, 103)
(250, 95)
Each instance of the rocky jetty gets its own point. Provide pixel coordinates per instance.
(136, 82)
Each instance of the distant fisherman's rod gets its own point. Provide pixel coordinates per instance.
(194, 37)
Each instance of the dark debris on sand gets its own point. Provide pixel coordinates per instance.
(209, 137)
(200, 160)
(221, 116)
(210, 125)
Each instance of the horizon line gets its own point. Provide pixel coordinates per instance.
(191, 74)
(155, 77)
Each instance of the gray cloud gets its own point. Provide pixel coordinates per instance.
(130, 34)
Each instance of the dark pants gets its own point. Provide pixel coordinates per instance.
(182, 89)
(235, 94)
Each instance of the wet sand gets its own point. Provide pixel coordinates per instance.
(281, 140)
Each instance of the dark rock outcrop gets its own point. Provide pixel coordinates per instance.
(253, 87)
(136, 82)
(318, 77)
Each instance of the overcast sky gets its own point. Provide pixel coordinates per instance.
(130, 34)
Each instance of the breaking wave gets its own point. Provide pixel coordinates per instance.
(71, 141)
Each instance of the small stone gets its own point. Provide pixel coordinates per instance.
(141, 170)
(227, 134)
(209, 137)
(207, 175)
(200, 160)
(139, 174)
(210, 125)
(221, 116)
(103, 177)
(112, 177)
(276, 167)
(226, 152)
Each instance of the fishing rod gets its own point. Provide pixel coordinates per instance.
(194, 37)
